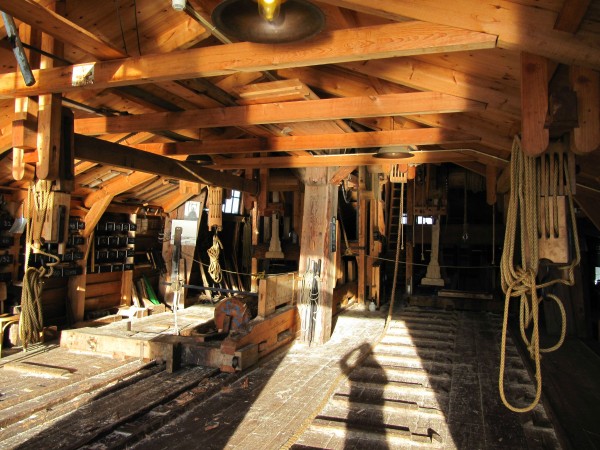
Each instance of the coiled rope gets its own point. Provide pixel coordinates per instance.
(214, 268)
(520, 280)
(31, 322)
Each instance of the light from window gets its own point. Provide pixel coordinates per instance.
(232, 205)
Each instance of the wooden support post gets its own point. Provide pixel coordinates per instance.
(586, 84)
(362, 235)
(534, 104)
(263, 196)
(320, 205)
(24, 133)
(49, 118)
(126, 286)
(24, 126)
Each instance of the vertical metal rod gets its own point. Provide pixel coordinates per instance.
(17, 45)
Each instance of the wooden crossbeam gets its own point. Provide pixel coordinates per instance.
(493, 135)
(518, 25)
(60, 28)
(418, 136)
(104, 152)
(425, 76)
(300, 111)
(383, 41)
(571, 14)
(117, 186)
(359, 159)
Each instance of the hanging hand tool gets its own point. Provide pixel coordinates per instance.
(176, 281)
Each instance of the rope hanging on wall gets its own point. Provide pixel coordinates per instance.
(215, 207)
(309, 299)
(31, 323)
(519, 279)
(214, 268)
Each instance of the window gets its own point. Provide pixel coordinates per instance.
(232, 205)
(422, 220)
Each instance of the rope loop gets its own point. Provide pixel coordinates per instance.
(214, 268)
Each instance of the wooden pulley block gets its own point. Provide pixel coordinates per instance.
(553, 231)
(215, 204)
(399, 173)
(233, 312)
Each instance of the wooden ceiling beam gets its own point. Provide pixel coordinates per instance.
(117, 186)
(359, 159)
(520, 26)
(60, 28)
(327, 79)
(571, 15)
(425, 76)
(417, 136)
(347, 45)
(104, 152)
(300, 111)
(492, 135)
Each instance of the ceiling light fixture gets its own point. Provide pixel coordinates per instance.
(269, 9)
(178, 5)
(275, 21)
(395, 152)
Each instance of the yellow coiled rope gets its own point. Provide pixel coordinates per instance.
(519, 281)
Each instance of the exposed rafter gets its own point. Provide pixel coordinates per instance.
(60, 28)
(350, 45)
(360, 159)
(418, 136)
(300, 111)
(518, 25)
(104, 152)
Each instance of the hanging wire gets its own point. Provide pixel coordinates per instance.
(423, 219)
(414, 220)
(117, 7)
(137, 31)
(401, 224)
(493, 233)
(345, 193)
(465, 236)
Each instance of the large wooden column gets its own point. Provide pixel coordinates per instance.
(320, 206)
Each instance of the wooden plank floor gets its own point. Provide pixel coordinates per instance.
(431, 382)
(572, 389)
